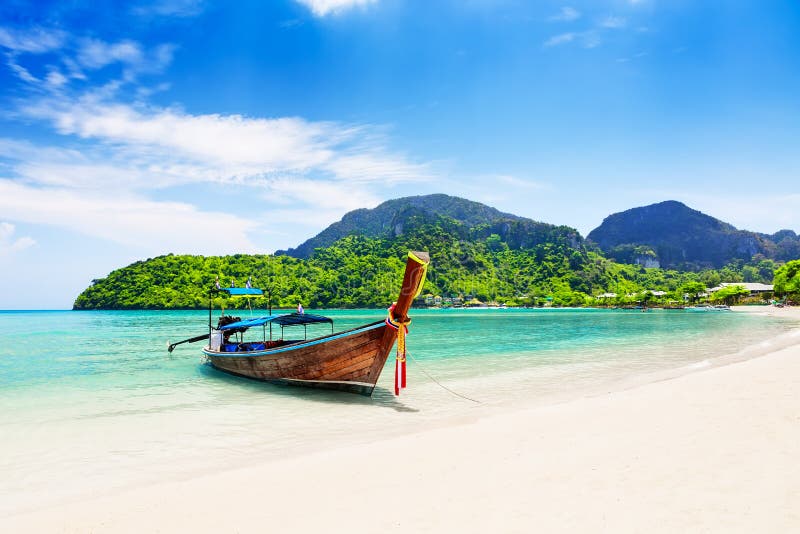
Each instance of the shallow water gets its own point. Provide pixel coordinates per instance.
(91, 402)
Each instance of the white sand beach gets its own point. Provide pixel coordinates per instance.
(717, 450)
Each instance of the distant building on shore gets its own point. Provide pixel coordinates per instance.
(755, 288)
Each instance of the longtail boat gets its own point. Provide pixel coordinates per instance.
(351, 360)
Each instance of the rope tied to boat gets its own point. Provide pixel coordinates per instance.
(400, 359)
(433, 379)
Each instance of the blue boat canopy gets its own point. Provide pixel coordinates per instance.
(242, 291)
(286, 319)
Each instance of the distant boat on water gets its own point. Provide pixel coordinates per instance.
(351, 360)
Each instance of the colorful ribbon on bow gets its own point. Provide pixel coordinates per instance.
(400, 359)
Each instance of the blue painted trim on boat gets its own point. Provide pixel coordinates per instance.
(293, 346)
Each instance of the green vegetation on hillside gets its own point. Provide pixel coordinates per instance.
(359, 271)
(478, 254)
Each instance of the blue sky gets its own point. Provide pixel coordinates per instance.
(130, 130)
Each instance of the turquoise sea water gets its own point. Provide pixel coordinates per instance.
(91, 402)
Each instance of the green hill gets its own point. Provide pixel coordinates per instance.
(477, 252)
(469, 220)
(672, 235)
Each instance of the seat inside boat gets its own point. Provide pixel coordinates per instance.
(258, 345)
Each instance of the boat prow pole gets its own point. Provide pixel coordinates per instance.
(413, 279)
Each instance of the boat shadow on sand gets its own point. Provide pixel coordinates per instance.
(381, 397)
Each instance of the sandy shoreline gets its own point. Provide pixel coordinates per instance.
(710, 451)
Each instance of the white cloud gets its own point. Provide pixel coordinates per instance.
(33, 40)
(588, 39)
(291, 24)
(95, 54)
(73, 69)
(7, 242)
(180, 147)
(560, 39)
(328, 196)
(129, 219)
(612, 22)
(326, 7)
(356, 166)
(55, 79)
(78, 175)
(273, 144)
(78, 55)
(16, 149)
(21, 72)
(566, 14)
(170, 8)
(311, 172)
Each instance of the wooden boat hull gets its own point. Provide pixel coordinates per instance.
(347, 361)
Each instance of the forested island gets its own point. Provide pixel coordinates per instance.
(479, 255)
